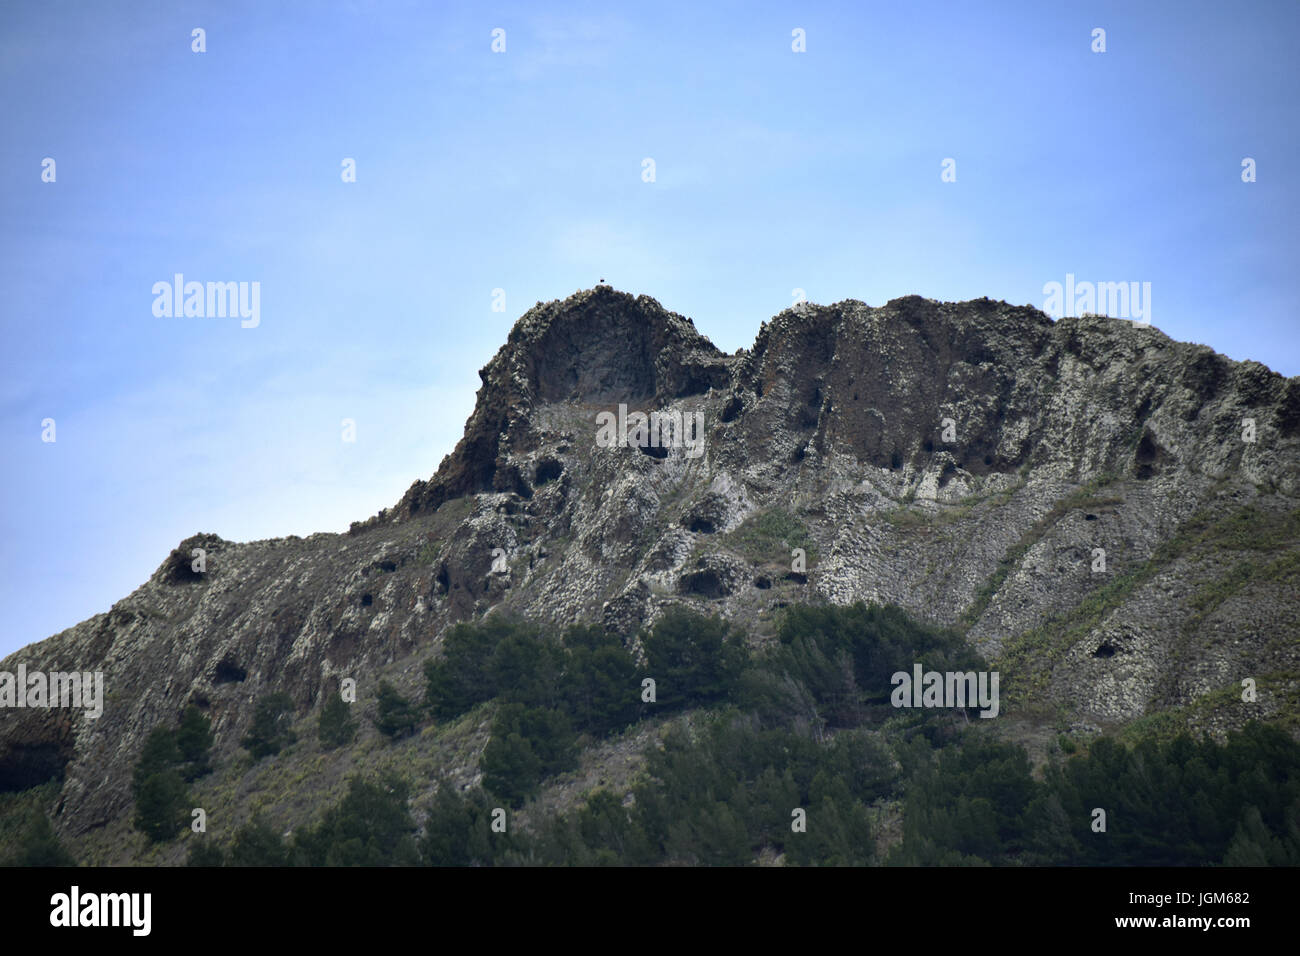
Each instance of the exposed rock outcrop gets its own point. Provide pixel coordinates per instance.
(966, 461)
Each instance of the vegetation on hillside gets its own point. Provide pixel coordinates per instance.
(792, 753)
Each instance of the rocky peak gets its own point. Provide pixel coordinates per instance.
(602, 346)
(829, 435)
(597, 347)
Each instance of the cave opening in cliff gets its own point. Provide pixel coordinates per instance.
(27, 766)
(228, 672)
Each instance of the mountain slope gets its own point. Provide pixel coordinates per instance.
(962, 460)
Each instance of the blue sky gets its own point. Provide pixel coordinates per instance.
(522, 171)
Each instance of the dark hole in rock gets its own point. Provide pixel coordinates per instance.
(1089, 517)
(798, 454)
(654, 451)
(182, 569)
(780, 604)
(548, 470)
(30, 765)
(895, 460)
(443, 581)
(1148, 456)
(701, 526)
(762, 582)
(388, 566)
(731, 411)
(228, 672)
(1106, 650)
(928, 446)
(988, 459)
(367, 600)
(855, 396)
(797, 577)
(705, 583)
(946, 474)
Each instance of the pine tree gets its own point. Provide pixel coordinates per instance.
(161, 798)
(161, 805)
(337, 727)
(397, 717)
(693, 659)
(457, 831)
(159, 753)
(511, 769)
(600, 686)
(272, 726)
(205, 853)
(194, 743)
(256, 844)
(40, 846)
(370, 826)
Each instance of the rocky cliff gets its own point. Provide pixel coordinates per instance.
(1108, 514)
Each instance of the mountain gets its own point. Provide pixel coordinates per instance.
(1108, 516)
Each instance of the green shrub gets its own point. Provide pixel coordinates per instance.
(694, 660)
(458, 831)
(600, 682)
(337, 728)
(272, 728)
(256, 844)
(194, 743)
(397, 717)
(370, 826)
(464, 676)
(203, 852)
(527, 668)
(527, 745)
(38, 845)
(162, 801)
(161, 805)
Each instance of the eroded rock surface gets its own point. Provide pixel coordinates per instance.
(963, 460)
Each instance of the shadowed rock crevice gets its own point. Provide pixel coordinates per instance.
(29, 765)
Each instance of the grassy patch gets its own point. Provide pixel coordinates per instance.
(908, 518)
(770, 535)
(1208, 597)
(1085, 497)
(1032, 654)
(1164, 725)
(915, 517)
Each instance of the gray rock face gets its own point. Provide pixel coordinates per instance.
(967, 461)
